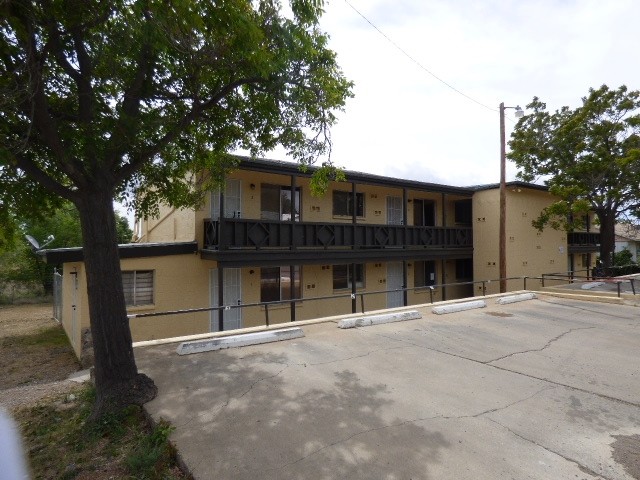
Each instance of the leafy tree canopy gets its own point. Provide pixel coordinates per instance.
(18, 260)
(137, 98)
(589, 157)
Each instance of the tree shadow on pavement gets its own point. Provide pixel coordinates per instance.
(254, 415)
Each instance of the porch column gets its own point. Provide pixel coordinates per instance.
(405, 293)
(442, 262)
(354, 216)
(292, 290)
(354, 304)
(444, 289)
(220, 291)
(221, 218)
(292, 220)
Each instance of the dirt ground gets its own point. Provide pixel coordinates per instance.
(35, 356)
(25, 319)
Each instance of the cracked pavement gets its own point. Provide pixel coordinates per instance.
(540, 393)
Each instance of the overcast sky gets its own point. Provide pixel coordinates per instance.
(404, 123)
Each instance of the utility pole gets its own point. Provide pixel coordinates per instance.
(502, 260)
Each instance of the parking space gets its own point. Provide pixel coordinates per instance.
(547, 388)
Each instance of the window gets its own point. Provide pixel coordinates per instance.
(343, 276)
(424, 274)
(463, 212)
(424, 213)
(464, 269)
(343, 203)
(232, 200)
(275, 202)
(138, 287)
(275, 283)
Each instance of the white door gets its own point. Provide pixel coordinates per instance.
(394, 211)
(394, 280)
(232, 296)
(74, 310)
(232, 200)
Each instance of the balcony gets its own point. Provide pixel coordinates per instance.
(251, 234)
(583, 242)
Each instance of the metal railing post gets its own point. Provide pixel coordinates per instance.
(633, 286)
(266, 314)
(525, 282)
(484, 289)
(542, 278)
(431, 293)
(362, 302)
(619, 289)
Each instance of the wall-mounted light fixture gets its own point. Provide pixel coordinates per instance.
(251, 272)
(252, 186)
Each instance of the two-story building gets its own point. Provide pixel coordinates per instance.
(278, 254)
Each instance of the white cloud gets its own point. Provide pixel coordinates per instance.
(403, 122)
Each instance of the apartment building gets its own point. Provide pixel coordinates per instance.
(266, 250)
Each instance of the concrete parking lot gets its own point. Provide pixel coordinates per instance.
(542, 389)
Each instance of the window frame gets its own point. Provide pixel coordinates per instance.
(420, 271)
(132, 296)
(283, 287)
(463, 216)
(345, 202)
(295, 199)
(349, 276)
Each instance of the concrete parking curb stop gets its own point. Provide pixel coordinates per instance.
(379, 319)
(516, 298)
(187, 348)
(459, 307)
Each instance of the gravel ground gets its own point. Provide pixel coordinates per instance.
(31, 373)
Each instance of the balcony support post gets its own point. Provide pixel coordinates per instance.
(220, 291)
(354, 304)
(221, 227)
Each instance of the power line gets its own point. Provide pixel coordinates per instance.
(417, 62)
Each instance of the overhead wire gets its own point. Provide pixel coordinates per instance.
(404, 52)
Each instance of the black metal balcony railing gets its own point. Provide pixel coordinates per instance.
(256, 234)
(583, 238)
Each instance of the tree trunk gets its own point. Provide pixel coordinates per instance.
(117, 380)
(607, 238)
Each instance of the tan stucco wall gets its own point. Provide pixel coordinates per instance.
(171, 225)
(74, 299)
(320, 209)
(529, 252)
(183, 282)
(180, 282)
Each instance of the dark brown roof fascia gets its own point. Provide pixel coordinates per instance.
(127, 250)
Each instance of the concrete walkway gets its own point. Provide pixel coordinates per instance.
(543, 389)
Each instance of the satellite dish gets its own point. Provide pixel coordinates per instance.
(49, 239)
(34, 243)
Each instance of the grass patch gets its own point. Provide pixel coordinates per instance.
(47, 337)
(42, 356)
(61, 444)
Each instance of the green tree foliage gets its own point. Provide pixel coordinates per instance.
(137, 98)
(19, 262)
(590, 157)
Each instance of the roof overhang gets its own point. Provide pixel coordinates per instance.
(292, 168)
(127, 250)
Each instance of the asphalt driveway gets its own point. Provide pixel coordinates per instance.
(543, 389)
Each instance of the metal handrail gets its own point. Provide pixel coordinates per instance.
(353, 296)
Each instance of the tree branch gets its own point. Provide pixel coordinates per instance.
(35, 172)
(196, 112)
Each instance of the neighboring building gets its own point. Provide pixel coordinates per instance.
(276, 242)
(628, 238)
